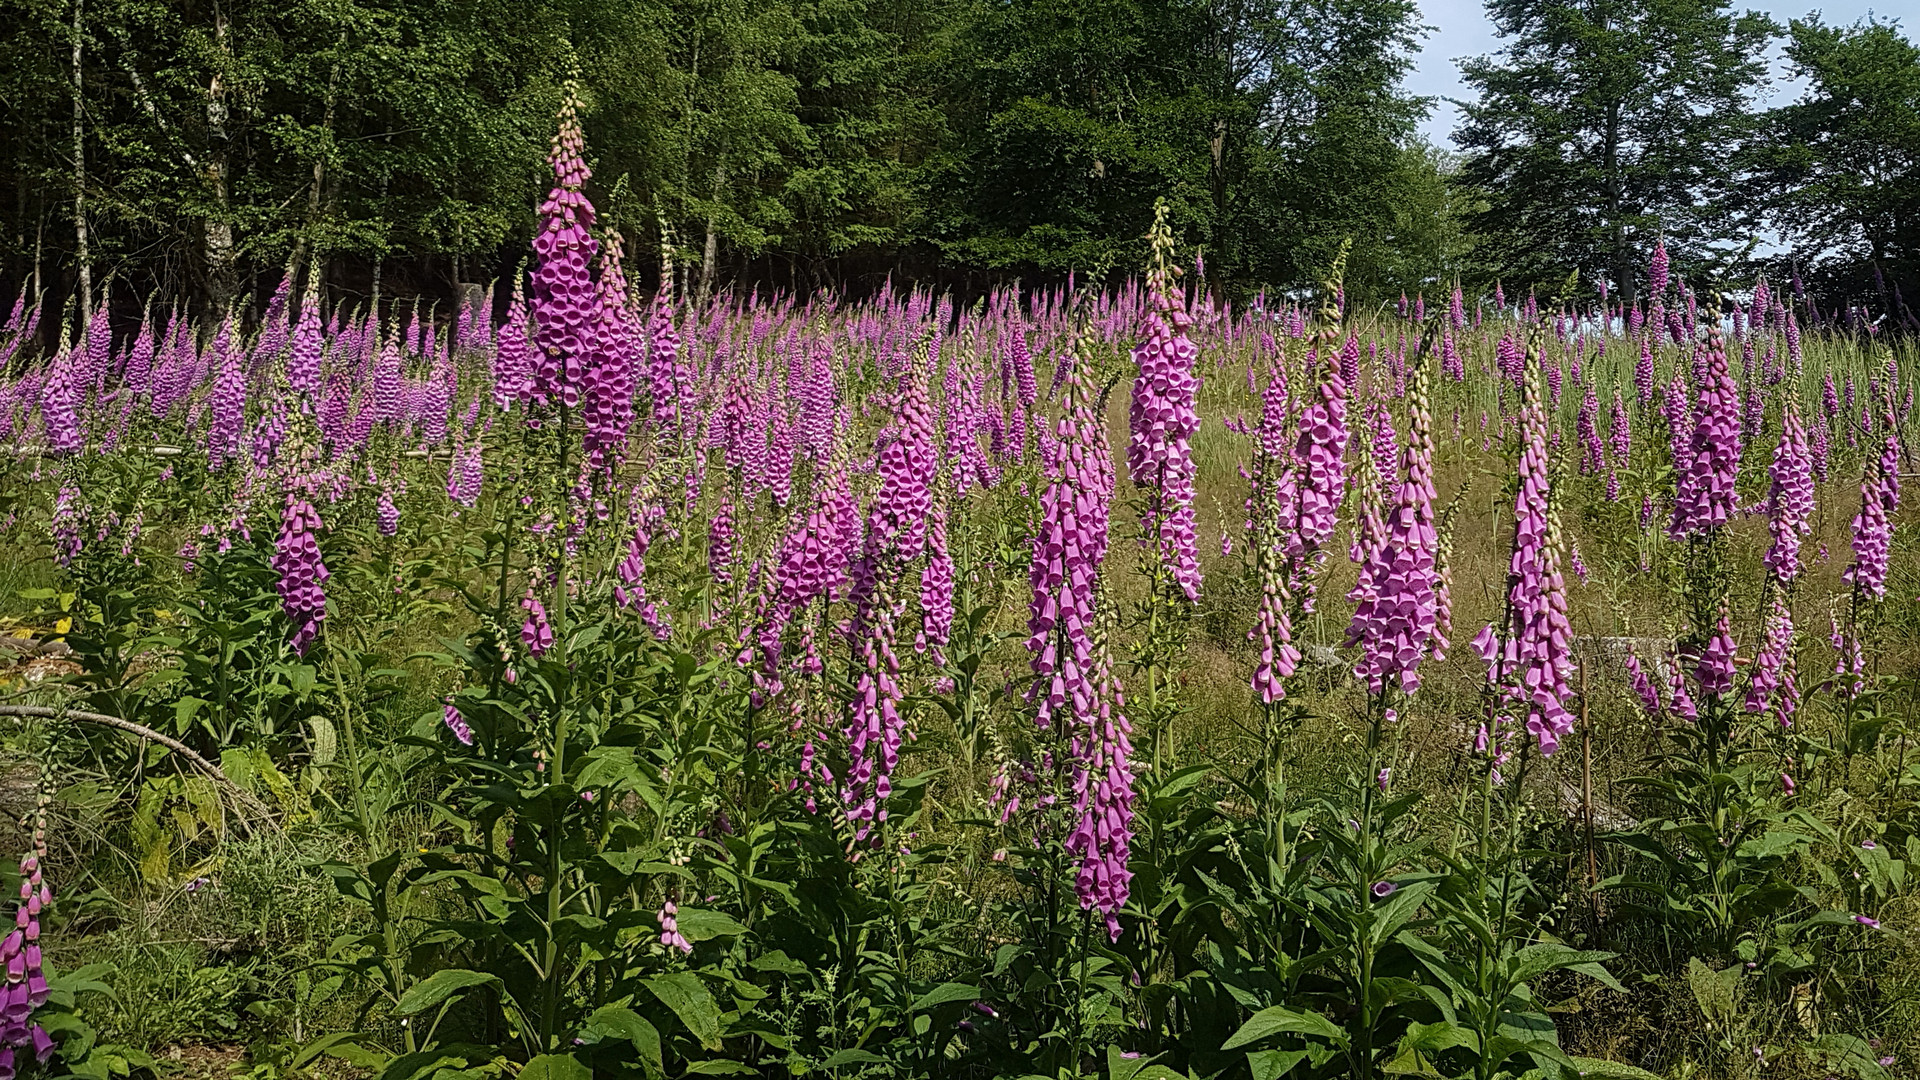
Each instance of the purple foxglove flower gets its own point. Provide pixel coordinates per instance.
(513, 356)
(457, 724)
(1162, 422)
(1790, 504)
(1772, 681)
(1534, 662)
(564, 247)
(1593, 458)
(1396, 620)
(386, 515)
(936, 591)
(1075, 684)
(607, 384)
(1704, 499)
(302, 573)
(720, 538)
(536, 633)
(1873, 525)
(60, 400)
(1643, 686)
(1715, 669)
(1680, 703)
(668, 376)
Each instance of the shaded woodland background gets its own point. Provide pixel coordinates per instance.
(188, 153)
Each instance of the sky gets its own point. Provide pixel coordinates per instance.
(1461, 29)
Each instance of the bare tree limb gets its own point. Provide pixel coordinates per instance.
(240, 794)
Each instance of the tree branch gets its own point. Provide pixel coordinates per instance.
(240, 794)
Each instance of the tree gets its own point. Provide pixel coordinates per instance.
(1604, 122)
(1840, 168)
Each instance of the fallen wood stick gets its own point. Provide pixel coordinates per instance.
(248, 798)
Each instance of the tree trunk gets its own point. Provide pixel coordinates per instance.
(302, 247)
(80, 178)
(221, 258)
(380, 258)
(1616, 197)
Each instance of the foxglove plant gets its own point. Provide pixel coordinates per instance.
(1790, 502)
(1772, 686)
(563, 293)
(26, 986)
(1704, 499)
(895, 535)
(1273, 485)
(1163, 419)
(1873, 525)
(607, 411)
(1395, 622)
(302, 573)
(1074, 688)
(1531, 662)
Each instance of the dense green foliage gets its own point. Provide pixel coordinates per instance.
(806, 142)
(795, 141)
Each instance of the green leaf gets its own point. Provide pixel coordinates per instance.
(1713, 990)
(1280, 1020)
(944, 993)
(719, 1067)
(1602, 1069)
(1433, 1038)
(699, 924)
(1269, 1064)
(1536, 960)
(623, 1024)
(440, 986)
(853, 1057)
(555, 1067)
(688, 997)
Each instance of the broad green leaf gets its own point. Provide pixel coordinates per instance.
(1602, 1069)
(618, 1022)
(555, 1067)
(440, 986)
(1280, 1020)
(1271, 1064)
(688, 997)
(944, 993)
(699, 924)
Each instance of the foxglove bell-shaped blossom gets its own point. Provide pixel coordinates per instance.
(1873, 525)
(1163, 420)
(1395, 623)
(1531, 665)
(1705, 499)
(303, 575)
(563, 296)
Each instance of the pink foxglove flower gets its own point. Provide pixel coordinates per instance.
(1705, 499)
(1273, 485)
(1075, 688)
(563, 294)
(536, 633)
(1163, 420)
(457, 724)
(1790, 504)
(936, 591)
(1715, 669)
(303, 575)
(1873, 525)
(1772, 685)
(607, 382)
(1532, 662)
(1396, 621)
